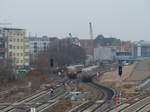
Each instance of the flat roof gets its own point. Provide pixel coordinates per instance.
(11, 28)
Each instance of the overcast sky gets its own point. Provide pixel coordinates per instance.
(124, 19)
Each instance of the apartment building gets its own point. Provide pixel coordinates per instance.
(17, 46)
(3, 45)
(37, 44)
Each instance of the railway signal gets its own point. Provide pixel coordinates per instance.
(52, 62)
(120, 71)
(127, 97)
(118, 102)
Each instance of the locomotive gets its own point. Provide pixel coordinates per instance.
(74, 70)
(88, 73)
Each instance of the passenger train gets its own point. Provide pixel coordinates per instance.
(74, 70)
(88, 73)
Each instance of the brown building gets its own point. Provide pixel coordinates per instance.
(126, 46)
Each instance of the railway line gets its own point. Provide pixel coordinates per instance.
(44, 107)
(138, 104)
(100, 101)
(37, 98)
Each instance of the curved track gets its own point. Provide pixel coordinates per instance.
(100, 101)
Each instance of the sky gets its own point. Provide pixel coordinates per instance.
(123, 19)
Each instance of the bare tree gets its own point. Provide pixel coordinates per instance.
(6, 71)
(63, 54)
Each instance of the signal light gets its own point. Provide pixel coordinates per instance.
(127, 97)
(51, 62)
(118, 102)
(120, 70)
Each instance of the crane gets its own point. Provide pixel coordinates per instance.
(92, 43)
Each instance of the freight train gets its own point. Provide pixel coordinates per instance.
(88, 73)
(74, 70)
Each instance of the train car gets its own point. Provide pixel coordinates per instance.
(88, 73)
(74, 70)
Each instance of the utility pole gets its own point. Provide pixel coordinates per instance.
(92, 43)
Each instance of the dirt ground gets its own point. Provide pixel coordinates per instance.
(114, 77)
(131, 77)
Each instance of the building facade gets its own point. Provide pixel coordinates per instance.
(124, 55)
(38, 44)
(17, 46)
(126, 46)
(3, 45)
(141, 49)
(104, 53)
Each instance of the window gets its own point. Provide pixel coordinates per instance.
(26, 53)
(17, 40)
(17, 54)
(13, 54)
(10, 40)
(14, 40)
(10, 53)
(14, 47)
(17, 61)
(10, 46)
(17, 47)
(21, 40)
(21, 54)
(21, 47)
(27, 60)
(27, 46)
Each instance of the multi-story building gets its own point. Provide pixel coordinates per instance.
(126, 46)
(17, 46)
(104, 54)
(40, 44)
(3, 45)
(141, 49)
(37, 44)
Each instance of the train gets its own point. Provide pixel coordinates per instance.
(88, 73)
(74, 70)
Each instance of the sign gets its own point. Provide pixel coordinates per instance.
(21, 72)
(29, 84)
(118, 102)
(127, 97)
(33, 110)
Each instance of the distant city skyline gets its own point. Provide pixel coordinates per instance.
(123, 19)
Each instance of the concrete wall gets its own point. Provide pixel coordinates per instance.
(104, 53)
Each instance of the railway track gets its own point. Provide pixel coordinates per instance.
(28, 101)
(44, 107)
(103, 96)
(140, 103)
